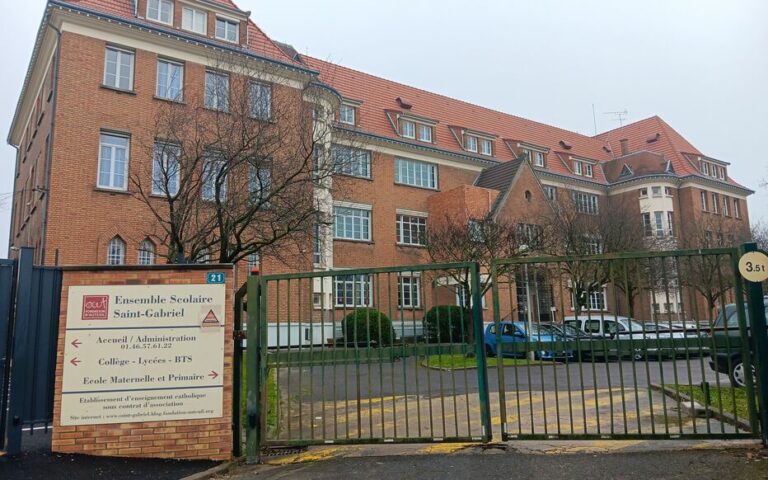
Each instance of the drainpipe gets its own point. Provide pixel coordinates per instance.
(49, 154)
(13, 203)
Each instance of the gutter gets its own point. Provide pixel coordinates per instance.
(51, 135)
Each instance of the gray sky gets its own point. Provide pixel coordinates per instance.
(700, 65)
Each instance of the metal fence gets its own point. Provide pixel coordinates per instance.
(636, 351)
(647, 345)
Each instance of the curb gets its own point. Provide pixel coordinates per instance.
(210, 472)
(697, 407)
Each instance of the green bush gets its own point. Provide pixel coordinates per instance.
(368, 324)
(443, 323)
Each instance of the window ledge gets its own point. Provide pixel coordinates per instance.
(118, 90)
(169, 100)
(408, 245)
(111, 190)
(217, 110)
(416, 186)
(349, 240)
(346, 175)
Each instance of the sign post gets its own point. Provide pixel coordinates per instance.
(753, 266)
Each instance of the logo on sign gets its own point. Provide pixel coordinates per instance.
(210, 320)
(95, 307)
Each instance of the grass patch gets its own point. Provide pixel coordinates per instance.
(459, 361)
(272, 399)
(729, 395)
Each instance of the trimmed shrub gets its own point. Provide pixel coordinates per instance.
(447, 323)
(366, 324)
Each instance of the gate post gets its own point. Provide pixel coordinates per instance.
(19, 356)
(482, 370)
(756, 308)
(253, 372)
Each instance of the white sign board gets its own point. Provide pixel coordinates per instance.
(141, 353)
(754, 266)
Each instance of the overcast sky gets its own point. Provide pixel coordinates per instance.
(700, 65)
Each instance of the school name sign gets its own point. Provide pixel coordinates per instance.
(140, 353)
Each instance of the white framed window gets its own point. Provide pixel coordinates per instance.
(160, 11)
(261, 101)
(409, 291)
(658, 224)
(726, 206)
(704, 206)
(647, 227)
(146, 252)
(671, 224)
(464, 298)
(411, 230)
(254, 261)
(113, 161)
(594, 300)
(470, 142)
(407, 129)
(216, 91)
(260, 181)
(203, 256)
(425, 133)
(213, 176)
(538, 159)
(705, 168)
(577, 167)
(228, 30)
(347, 114)
(736, 208)
(668, 191)
(116, 252)
(415, 173)
(353, 291)
(317, 244)
(588, 170)
(643, 192)
(170, 80)
(351, 223)
(550, 192)
(118, 68)
(166, 173)
(194, 20)
(351, 161)
(486, 147)
(585, 203)
(656, 191)
(715, 204)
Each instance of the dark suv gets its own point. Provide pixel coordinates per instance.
(728, 360)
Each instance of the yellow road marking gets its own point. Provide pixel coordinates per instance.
(315, 455)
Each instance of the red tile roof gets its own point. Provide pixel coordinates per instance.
(379, 95)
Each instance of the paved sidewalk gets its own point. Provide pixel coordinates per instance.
(555, 460)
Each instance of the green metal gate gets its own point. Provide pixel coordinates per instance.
(623, 358)
(315, 376)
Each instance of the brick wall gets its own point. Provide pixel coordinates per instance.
(179, 439)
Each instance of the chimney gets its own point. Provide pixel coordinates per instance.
(624, 146)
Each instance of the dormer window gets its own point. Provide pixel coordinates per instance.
(538, 159)
(712, 170)
(486, 147)
(407, 129)
(227, 30)
(470, 143)
(425, 133)
(194, 20)
(643, 192)
(347, 114)
(582, 168)
(160, 11)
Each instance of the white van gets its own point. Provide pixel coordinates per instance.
(619, 327)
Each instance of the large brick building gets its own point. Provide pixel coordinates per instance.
(101, 69)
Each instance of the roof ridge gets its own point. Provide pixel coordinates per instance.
(454, 99)
(269, 39)
(625, 126)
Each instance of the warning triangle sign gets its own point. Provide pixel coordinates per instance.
(210, 320)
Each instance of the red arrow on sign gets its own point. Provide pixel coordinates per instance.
(75, 361)
(76, 343)
(213, 374)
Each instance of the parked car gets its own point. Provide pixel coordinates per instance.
(512, 332)
(729, 360)
(618, 327)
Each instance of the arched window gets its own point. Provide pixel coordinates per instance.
(116, 252)
(146, 252)
(203, 256)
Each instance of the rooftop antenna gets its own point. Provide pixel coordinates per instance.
(594, 118)
(620, 116)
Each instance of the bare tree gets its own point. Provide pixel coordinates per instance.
(760, 235)
(710, 275)
(579, 229)
(481, 240)
(238, 171)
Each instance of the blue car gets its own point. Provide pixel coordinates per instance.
(512, 332)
